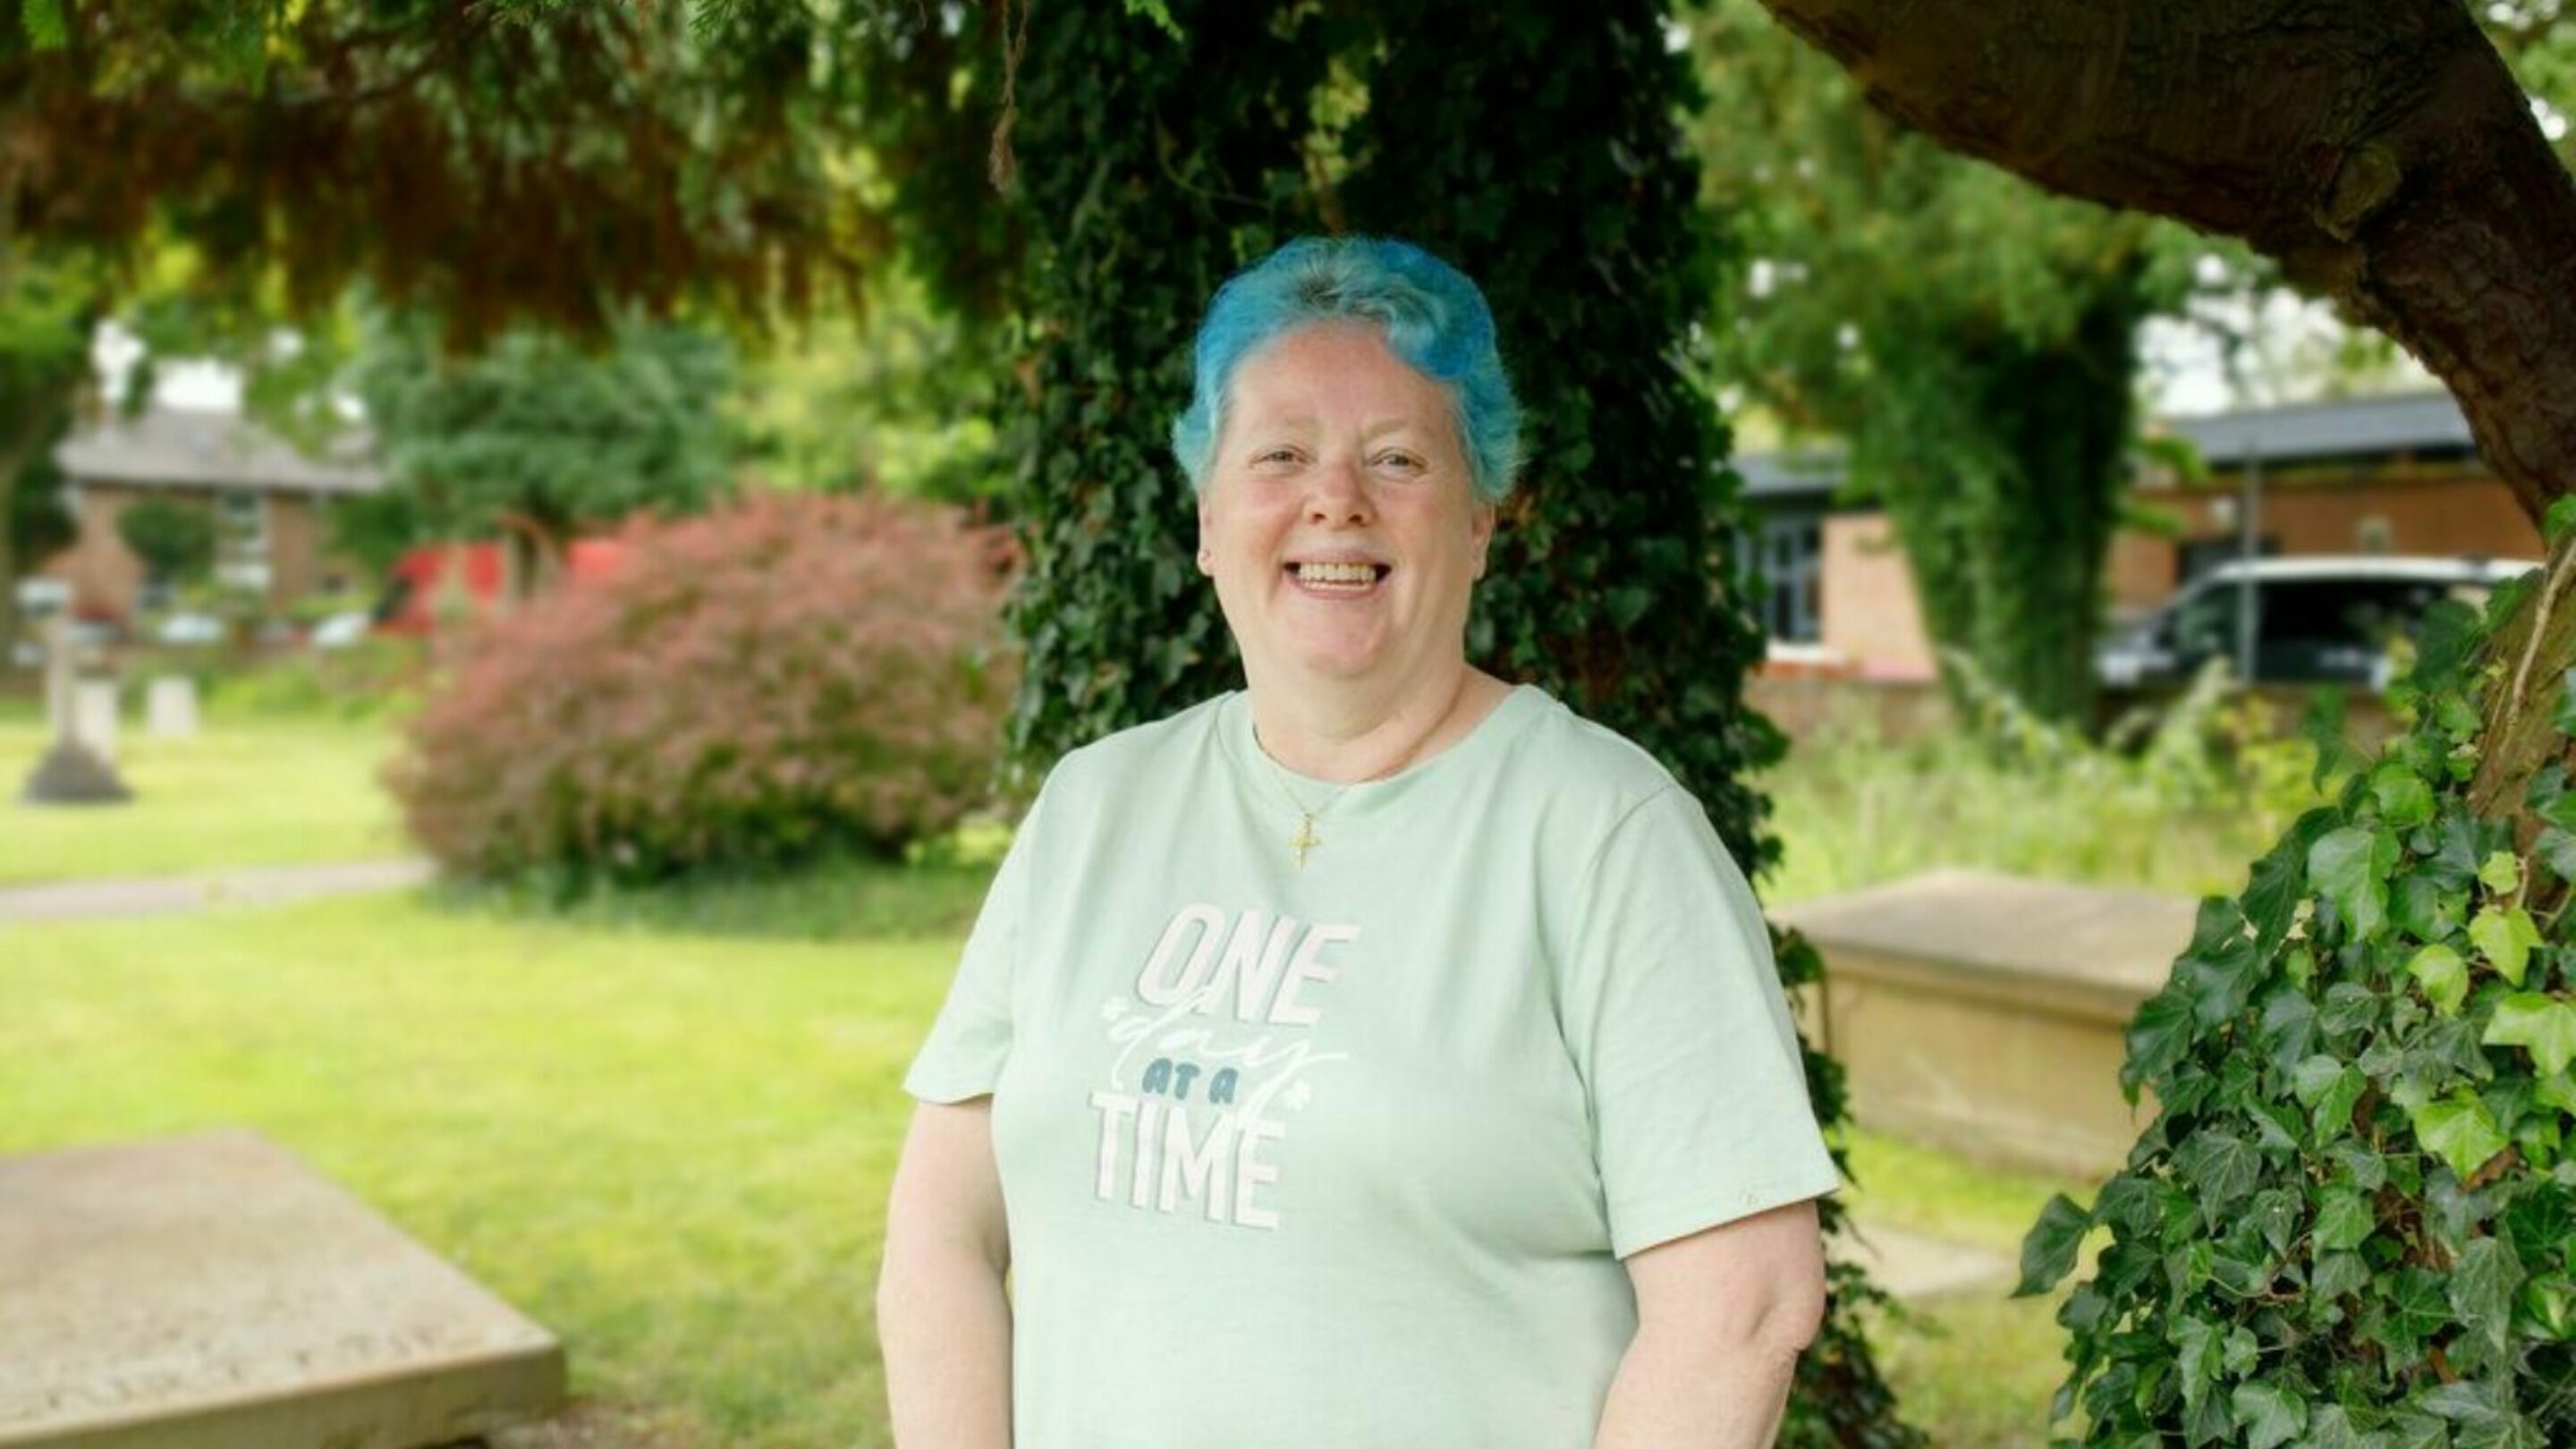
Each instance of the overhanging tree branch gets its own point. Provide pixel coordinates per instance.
(2379, 149)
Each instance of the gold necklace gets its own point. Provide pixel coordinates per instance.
(1305, 840)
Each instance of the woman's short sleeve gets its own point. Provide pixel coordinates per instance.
(963, 1055)
(1682, 1035)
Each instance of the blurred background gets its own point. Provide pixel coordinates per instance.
(543, 543)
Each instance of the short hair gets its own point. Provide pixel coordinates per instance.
(1434, 320)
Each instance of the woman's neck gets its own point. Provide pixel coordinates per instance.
(1353, 734)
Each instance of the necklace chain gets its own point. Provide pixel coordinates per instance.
(1305, 840)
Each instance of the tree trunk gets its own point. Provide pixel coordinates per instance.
(23, 431)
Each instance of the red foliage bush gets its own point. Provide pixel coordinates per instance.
(792, 676)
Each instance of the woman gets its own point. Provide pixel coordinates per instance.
(1379, 1054)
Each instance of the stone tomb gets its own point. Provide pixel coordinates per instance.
(212, 1292)
(1989, 1014)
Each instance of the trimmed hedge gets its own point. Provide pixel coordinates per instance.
(791, 677)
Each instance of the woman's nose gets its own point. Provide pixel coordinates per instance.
(1339, 495)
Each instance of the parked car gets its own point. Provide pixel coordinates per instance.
(2321, 619)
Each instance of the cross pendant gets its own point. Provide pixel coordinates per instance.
(1306, 839)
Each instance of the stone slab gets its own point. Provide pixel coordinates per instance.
(212, 1292)
(2009, 926)
(1988, 1015)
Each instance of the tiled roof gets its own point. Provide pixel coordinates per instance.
(184, 448)
(2423, 425)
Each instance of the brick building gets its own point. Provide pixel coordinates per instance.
(2384, 475)
(270, 504)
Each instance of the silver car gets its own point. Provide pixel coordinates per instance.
(2319, 619)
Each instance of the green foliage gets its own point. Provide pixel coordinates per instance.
(792, 678)
(541, 435)
(1151, 167)
(548, 161)
(1970, 337)
(174, 540)
(2351, 1221)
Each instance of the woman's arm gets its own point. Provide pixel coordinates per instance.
(943, 1320)
(1722, 1316)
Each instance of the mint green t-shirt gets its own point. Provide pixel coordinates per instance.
(1347, 1153)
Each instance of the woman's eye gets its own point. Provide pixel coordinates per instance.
(1406, 461)
(1277, 455)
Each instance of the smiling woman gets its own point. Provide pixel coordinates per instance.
(1380, 1054)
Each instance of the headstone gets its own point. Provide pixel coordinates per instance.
(211, 1292)
(1988, 1014)
(170, 707)
(69, 772)
(94, 717)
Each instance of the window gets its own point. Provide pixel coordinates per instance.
(241, 537)
(1784, 559)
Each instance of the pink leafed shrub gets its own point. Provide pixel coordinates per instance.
(793, 676)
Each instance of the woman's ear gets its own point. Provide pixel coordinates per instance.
(1480, 532)
(1207, 541)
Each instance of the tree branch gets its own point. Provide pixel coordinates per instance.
(2378, 149)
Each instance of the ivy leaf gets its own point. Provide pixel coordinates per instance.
(2544, 1025)
(2500, 872)
(2505, 937)
(2338, 1274)
(2340, 865)
(2272, 892)
(2343, 1220)
(2158, 1037)
(2561, 517)
(2219, 962)
(2405, 801)
(2443, 975)
(2443, 642)
(2558, 848)
(2196, 1346)
(2222, 1166)
(2048, 1252)
(2322, 726)
(2425, 911)
(2459, 1130)
(2483, 1283)
(2270, 1414)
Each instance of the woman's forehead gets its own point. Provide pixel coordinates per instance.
(1336, 372)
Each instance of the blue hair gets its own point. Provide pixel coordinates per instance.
(1434, 320)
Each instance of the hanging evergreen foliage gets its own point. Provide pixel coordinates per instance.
(1533, 145)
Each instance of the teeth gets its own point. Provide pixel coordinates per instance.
(1337, 573)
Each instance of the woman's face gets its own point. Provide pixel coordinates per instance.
(1341, 526)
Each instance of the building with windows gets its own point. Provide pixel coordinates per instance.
(270, 504)
(2381, 475)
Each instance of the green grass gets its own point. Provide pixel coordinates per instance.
(672, 1149)
(1853, 810)
(1975, 1370)
(248, 791)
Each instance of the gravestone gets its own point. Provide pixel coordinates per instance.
(70, 772)
(170, 708)
(211, 1292)
(1988, 1014)
(94, 719)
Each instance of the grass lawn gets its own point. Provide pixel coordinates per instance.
(1976, 1371)
(249, 790)
(672, 1147)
